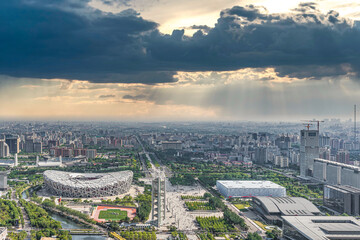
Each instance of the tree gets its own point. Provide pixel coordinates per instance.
(253, 236)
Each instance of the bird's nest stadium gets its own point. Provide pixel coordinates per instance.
(87, 185)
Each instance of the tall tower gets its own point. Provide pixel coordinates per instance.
(16, 163)
(158, 200)
(309, 149)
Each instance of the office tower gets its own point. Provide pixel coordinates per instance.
(343, 156)
(38, 147)
(261, 154)
(309, 149)
(91, 153)
(324, 153)
(29, 145)
(13, 142)
(3, 181)
(4, 149)
(283, 142)
(281, 161)
(324, 141)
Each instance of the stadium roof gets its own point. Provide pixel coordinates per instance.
(248, 184)
(86, 179)
(325, 227)
(288, 206)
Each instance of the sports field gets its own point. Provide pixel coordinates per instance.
(113, 214)
(103, 213)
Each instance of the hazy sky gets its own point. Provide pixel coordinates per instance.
(151, 60)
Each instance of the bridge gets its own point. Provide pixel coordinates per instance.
(83, 232)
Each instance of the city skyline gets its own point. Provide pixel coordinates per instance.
(140, 61)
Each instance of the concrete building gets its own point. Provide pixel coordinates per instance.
(13, 141)
(321, 227)
(281, 161)
(91, 153)
(176, 145)
(343, 199)
(4, 149)
(229, 188)
(335, 173)
(272, 208)
(309, 149)
(261, 155)
(38, 147)
(3, 181)
(3, 233)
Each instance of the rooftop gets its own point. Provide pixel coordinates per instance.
(248, 184)
(325, 227)
(87, 179)
(288, 206)
(356, 168)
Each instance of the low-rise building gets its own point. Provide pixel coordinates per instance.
(321, 227)
(343, 199)
(235, 188)
(272, 208)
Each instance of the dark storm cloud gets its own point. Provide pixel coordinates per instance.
(304, 43)
(68, 39)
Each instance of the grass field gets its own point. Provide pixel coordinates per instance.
(241, 206)
(260, 224)
(113, 214)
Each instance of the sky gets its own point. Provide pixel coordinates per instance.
(167, 60)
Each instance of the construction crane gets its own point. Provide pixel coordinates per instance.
(317, 121)
(307, 125)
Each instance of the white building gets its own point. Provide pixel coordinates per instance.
(234, 188)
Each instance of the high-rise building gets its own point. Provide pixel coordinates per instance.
(261, 155)
(343, 156)
(309, 149)
(4, 149)
(38, 147)
(3, 181)
(13, 142)
(324, 153)
(91, 153)
(29, 145)
(281, 161)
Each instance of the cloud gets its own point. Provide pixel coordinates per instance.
(107, 96)
(135, 97)
(68, 39)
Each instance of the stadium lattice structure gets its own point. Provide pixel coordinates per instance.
(87, 185)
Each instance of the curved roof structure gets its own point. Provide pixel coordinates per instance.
(86, 179)
(287, 206)
(69, 184)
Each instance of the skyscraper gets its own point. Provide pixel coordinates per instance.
(13, 142)
(4, 149)
(261, 155)
(309, 149)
